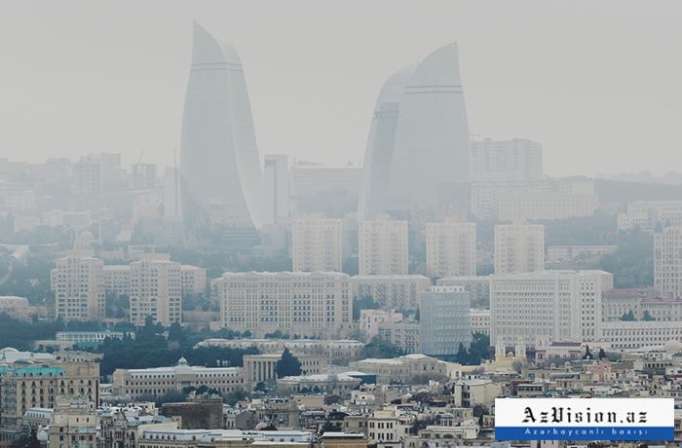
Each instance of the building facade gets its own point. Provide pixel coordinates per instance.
(78, 286)
(450, 248)
(392, 292)
(668, 261)
(317, 244)
(155, 291)
(519, 248)
(382, 247)
(445, 320)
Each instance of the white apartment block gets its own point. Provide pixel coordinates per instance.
(136, 383)
(78, 286)
(519, 248)
(547, 205)
(194, 280)
(647, 215)
(300, 304)
(117, 279)
(317, 244)
(392, 292)
(477, 286)
(506, 160)
(383, 247)
(668, 261)
(155, 291)
(547, 306)
(450, 248)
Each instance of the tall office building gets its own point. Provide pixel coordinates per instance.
(383, 247)
(506, 160)
(450, 248)
(155, 291)
(519, 248)
(300, 304)
(78, 286)
(668, 261)
(220, 166)
(277, 186)
(317, 244)
(547, 306)
(445, 320)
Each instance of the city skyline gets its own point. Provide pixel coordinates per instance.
(558, 92)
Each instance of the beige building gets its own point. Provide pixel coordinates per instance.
(17, 307)
(222, 438)
(155, 382)
(404, 334)
(405, 369)
(301, 304)
(519, 248)
(547, 306)
(317, 244)
(74, 425)
(547, 205)
(383, 247)
(621, 335)
(392, 292)
(78, 286)
(194, 280)
(117, 279)
(155, 291)
(371, 320)
(450, 248)
(668, 261)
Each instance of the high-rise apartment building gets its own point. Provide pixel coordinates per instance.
(450, 248)
(277, 189)
(78, 286)
(519, 248)
(547, 306)
(317, 244)
(383, 247)
(155, 291)
(668, 261)
(296, 303)
(445, 320)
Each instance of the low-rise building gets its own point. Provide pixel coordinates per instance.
(405, 369)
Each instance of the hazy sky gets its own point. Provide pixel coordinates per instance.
(597, 82)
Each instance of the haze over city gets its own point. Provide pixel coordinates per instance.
(594, 82)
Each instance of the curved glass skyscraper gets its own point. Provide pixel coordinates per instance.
(220, 169)
(418, 149)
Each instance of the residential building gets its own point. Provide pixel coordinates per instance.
(648, 215)
(295, 303)
(155, 291)
(450, 248)
(480, 321)
(74, 425)
(317, 244)
(371, 320)
(519, 248)
(78, 286)
(382, 247)
(445, 320)
(668, 261)
(404, 334)
(391, 292)
(194, 280)
(117, 280)
(478, 287)
(405, 369)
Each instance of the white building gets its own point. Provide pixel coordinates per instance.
(668, 261)
(155, 291)
(647, 215)
(117, 279)
(546, 205)
(478, 287)
(506, 160)
(317, 244)
(194, 280)
(445, 320)
(480, 321)
(547, 306)
(135, 383)
(393, 292)
(623, 335)
(296, 303)
(78, 286)
(450, 248)
(519, 248)
(383, 247)
(277, 189)
(371, 320)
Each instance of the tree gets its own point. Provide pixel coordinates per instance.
(647, 316)
(628, 317)
(332, 399)
(380, 348)
(288, 365)
(602, 354)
